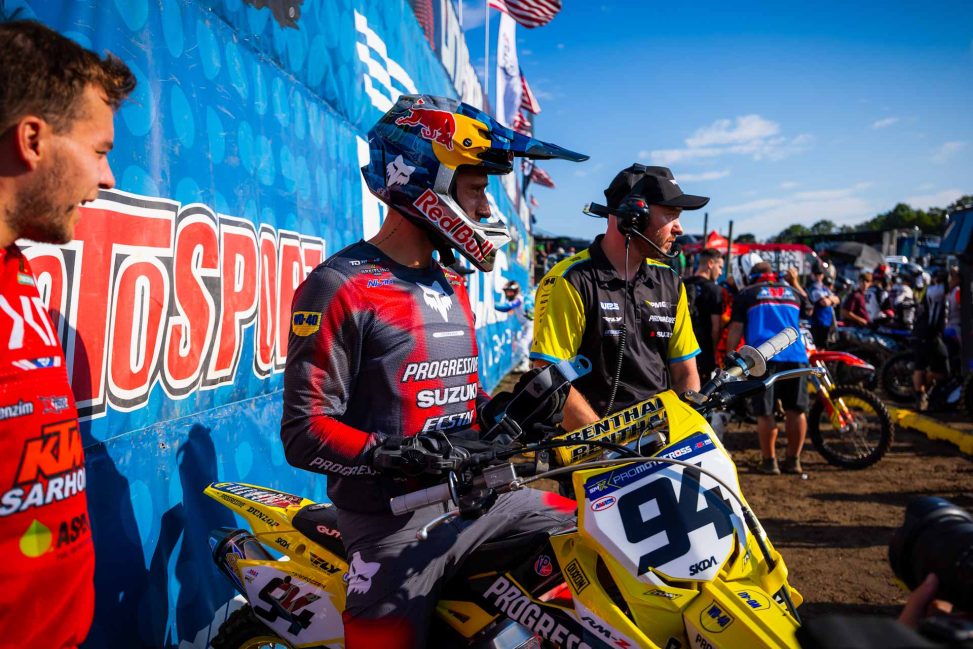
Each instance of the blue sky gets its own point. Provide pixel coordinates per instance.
(781, 114)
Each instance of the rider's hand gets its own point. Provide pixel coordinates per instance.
(430, 454)
(474, 504)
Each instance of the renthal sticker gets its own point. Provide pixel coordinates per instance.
(519, 607)
(54, 405)
(262, 496)
(168, 293)
(446, 396)
(714, 619)
(448, 422)
(328, 466)
(305, 323)
(623, 425)
(603, 503)
(443, 369)
(324, 565)
(14, 410)
(576, 575)
(51, 469)
(459, 232)
(256, 513)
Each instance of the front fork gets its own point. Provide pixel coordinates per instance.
(837, 411)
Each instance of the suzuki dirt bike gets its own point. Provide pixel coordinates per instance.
(666, 552)
(849, 425)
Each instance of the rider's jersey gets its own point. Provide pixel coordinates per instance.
(581, 308)
(765, 309)
(375, 348)
(47, 598)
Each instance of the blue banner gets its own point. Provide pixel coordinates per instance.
(237, 162)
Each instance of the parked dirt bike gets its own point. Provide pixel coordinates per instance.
(956, 391)
(874, 346)
(849, 425)
(666, 552)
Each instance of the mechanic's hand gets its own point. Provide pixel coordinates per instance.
(922, 603)
(540, 431)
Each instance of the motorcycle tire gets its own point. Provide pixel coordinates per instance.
(856, 449)
(243, 630)
(897, 377)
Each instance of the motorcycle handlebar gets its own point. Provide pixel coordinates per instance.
(410, 502)
(778, 343)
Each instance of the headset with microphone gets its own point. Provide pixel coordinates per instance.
(631, 218)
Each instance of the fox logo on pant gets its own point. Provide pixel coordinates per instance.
(360, 573)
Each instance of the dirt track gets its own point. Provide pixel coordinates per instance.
(833, 529)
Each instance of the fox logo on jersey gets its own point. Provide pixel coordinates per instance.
(435, 296)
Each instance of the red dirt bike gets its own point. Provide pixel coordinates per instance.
(849, 425)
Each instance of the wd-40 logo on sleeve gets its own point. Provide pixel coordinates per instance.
(305, 323)
(51, 469)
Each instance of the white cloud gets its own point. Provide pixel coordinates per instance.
(939, 199)
(723, 131)
(789, 184)
(885, 123)
(706, 175)
(474, 14)
(586, 170)
(748, 135)
(768, 216)
(947, 150)
(560, 46)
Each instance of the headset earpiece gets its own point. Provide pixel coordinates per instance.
(632, 215)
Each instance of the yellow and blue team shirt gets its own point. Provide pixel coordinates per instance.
(580, 308)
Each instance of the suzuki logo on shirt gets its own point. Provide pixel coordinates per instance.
(435, 296)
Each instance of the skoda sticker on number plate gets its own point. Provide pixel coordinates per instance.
(671, 518)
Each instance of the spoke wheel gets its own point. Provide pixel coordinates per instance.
(242, 630)
(863, 439)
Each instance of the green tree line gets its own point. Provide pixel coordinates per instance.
(931, 221)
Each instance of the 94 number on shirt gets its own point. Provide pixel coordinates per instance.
(671, 518)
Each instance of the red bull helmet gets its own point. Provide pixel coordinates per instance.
(415, 150)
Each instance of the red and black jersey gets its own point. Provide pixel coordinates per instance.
(375, 348)
(47, 597)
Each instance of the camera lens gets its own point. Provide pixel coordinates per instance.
(937, 536)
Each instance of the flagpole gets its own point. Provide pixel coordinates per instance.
(486, 52)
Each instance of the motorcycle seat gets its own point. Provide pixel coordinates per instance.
(320, 524)
(494, 555)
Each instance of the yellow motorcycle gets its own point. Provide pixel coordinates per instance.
(666, 553)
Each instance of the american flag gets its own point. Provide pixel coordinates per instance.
(527, 99)
(522, 125)
(529, 13)
(542, 178)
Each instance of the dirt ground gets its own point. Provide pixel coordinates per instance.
(833, 528)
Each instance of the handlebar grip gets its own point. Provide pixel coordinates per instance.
(778, 343)
(410, 502)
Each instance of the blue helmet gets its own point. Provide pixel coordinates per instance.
(415, 150)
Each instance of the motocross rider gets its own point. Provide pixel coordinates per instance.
(382, 355)
(522, 309)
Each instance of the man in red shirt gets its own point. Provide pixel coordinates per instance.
(57, 104)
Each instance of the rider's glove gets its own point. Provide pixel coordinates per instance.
(475, 503)
(424, 454)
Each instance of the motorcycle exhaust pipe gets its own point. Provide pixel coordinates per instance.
(229, 545)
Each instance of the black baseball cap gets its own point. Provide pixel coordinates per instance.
(653, 184)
